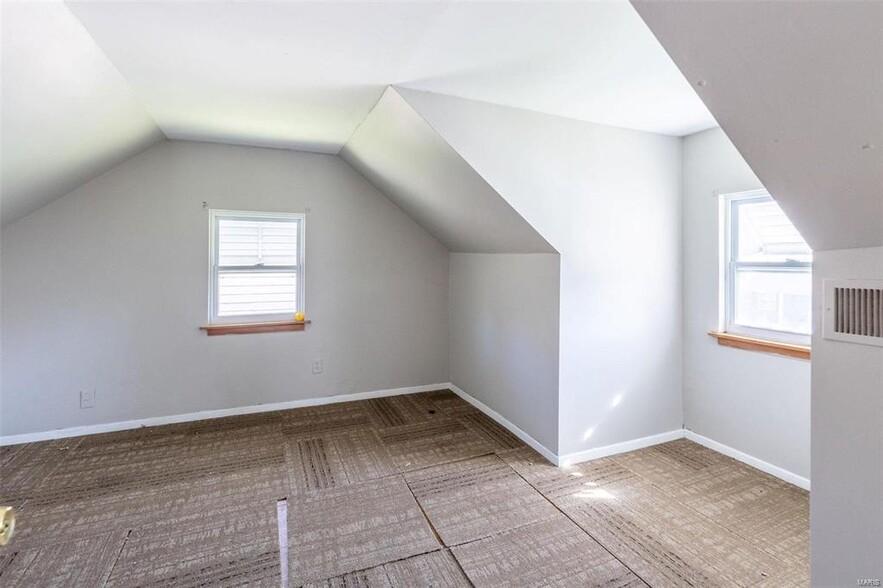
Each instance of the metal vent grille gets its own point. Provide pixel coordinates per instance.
(858, 311)
(854, 311)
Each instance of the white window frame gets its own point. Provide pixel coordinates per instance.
(730, 266)
(215, 217)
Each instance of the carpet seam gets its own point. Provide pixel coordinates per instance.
(604, 547)
(117, 558)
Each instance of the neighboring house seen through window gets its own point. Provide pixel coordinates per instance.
(768, 271)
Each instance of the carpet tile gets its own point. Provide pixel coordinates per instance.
(406, 491)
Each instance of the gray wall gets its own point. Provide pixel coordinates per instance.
(504, 336)
(106, 287)
(608, 200)
(757, 403)
(847, 438)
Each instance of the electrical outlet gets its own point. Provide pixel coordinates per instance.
(317, 366)
(87, 398)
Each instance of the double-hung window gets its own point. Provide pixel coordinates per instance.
(768, 271)
(257, 266)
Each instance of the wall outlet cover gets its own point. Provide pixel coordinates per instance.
(87, 398)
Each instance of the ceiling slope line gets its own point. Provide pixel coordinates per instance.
(486, 223)
(361, 122)
(468, 162)
(116, 69)
(573, 120)
(69, 115)
(396, 87)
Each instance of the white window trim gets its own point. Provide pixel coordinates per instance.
(214, 217)
(728, 273)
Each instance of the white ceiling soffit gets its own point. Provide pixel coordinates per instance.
(798, 87)
(67, 114)
(398, 152)
(303, 75)
(591, 61)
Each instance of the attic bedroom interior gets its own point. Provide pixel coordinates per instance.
(441, 294)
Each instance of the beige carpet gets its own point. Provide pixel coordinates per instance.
(419, 490)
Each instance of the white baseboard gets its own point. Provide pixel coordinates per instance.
(536, 445)
(564, 460)
(608, 450)
(754, 462)
(209, 414)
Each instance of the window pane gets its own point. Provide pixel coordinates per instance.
(766, 234)
(260, 292)
(255, 242)
(775, 300)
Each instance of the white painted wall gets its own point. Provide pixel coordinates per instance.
(756, 403)
(106, 287)
(608, 200)
(846, 507)
(802, 103)
(504, 336)
(398, 152)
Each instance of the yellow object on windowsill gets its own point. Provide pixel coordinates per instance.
(299, 317)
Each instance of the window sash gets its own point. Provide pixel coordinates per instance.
(733, 266)
(733, 327)
(731, 218)
(216, 270)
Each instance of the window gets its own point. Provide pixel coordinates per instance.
(768, 272)
(257, 266)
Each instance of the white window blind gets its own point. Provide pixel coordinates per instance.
(257, 266)
(768, 271)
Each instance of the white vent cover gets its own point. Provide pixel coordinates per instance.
(854, 311)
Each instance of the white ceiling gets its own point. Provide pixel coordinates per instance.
(303, 75)
(593, 61)
(67, 114)
(798, 87)
(88, 84)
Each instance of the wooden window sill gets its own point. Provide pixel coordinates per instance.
(246, 328)
(762, 345)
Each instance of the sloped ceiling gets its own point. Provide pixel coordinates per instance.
(397, 151)
(67, 114)
(563, 176)
(798, 87)
(293, 75)
(589, 61)
(303, 75)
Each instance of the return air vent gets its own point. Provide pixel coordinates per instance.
(854, 311)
